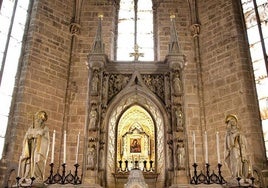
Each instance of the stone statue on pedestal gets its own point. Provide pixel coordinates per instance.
(180, 156)
(93, 118)
(236, 157)
(35, 150)
(177, 84)
(91, 157)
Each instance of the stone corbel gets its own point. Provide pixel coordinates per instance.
(75, 29)
(195, 29)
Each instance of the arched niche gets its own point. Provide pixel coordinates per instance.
(136, 138)
(139, 97)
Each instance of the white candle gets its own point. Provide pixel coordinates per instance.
(218, 147)
(19, 167)
(194, 147)
(206, 147)
(53, 146)
(64, 147)
(77, 147)
(149, 146)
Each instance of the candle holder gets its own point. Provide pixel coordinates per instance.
(252, 181)
(151, 166)
(221, 179)
(76, 178)
(208, 178)
(136, 166)
(62, 178)
(144, 166)
(49, 180)
(126, 169)
(207, 172)
(195, 177)
(238, 181)
(63, 173)
(120, 166)
(18, 181)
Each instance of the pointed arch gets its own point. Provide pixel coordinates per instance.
(136, 94)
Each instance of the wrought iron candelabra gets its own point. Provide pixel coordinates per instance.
(136, 166)
(120, 169)
(207, 178)
(63, 178)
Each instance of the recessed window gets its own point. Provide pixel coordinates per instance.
(256, 19)
(11, 34)
(135, 30)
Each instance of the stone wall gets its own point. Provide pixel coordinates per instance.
(227, 76)
(53, 75)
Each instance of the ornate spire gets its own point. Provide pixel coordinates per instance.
(98, 46)
(174, 43)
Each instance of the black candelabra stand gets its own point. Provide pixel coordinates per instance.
(120, 169)
(62, 178)
(207, 178)
(144, 166)
(120, 165)
(221, 179)
(126, 162)
(135, 166)
(194, 179)
(151, 165)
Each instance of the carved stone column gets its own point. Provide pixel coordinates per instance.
(94, 144)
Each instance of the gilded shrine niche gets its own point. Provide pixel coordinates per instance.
(136, 139)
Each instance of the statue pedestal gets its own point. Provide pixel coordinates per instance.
(90, 177)
(181, 177)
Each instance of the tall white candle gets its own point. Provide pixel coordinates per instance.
(53, 146)
(64, 147)
(18, 175)
(206, 147)
(218, 147)
(77, 148)
(194, 147)
(149, 146)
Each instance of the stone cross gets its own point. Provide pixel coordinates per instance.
(136, 53)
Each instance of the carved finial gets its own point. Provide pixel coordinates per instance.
(98, 46)
(172, 15)
(100, 15)
(174, 44)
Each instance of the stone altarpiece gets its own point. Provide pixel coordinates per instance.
(135, 102)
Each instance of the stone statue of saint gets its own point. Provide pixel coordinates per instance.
(235, 149)
(35, 150)
(170, 154)
(91, 157)
(95, 82)
(179, 119)
(180, 156)
(93, 118)
(177, 85)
